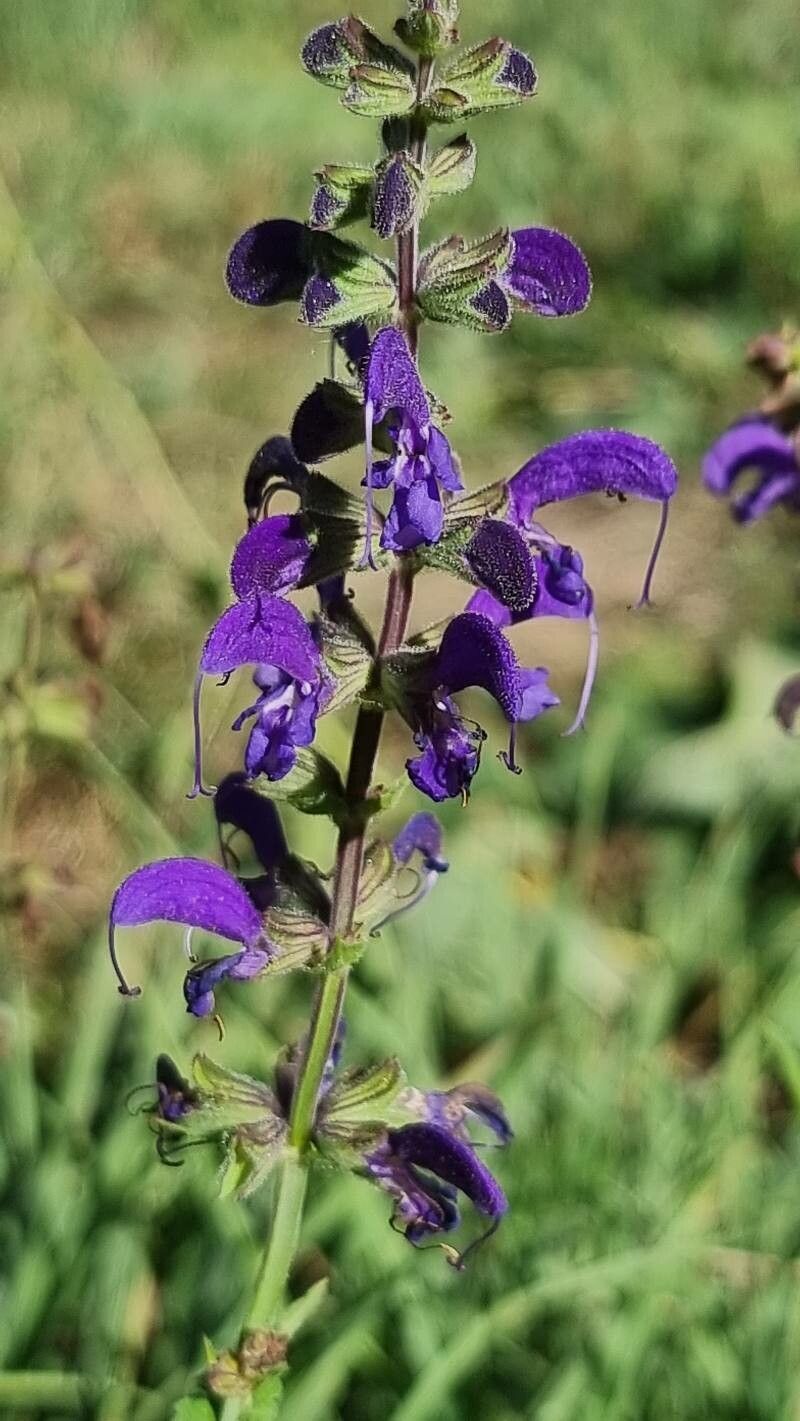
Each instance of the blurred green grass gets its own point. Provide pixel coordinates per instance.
(615, 946)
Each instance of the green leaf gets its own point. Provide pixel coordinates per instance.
(452, 169)
(266, 1402)
(365, 285)
(301, 1310)
(378, 92)
(458, 265)
(313, 785)
(491, 501)
(364, 1092)
(349, 654)
(193, 1408)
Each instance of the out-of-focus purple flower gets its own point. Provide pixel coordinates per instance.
(452, 1109)
(598, 460)
(175, 1097)
(754, 443)
(199, 895)
(424, 1167)
(547, 274)
(421, 840)
(473, 652)
(422, 463)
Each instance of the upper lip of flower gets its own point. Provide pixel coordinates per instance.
(753, 442)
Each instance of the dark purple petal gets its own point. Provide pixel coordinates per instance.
(598, 460)
(499, 557)
(183, 890)
(430, 1147)
(422, 834)
(318, 297)
(518, 73)
(354, 341)
(271, 557)
(491, 304)
(269, 263)
(416, 516)
(242, 808)
(326, 51)
(752, 443)
(451, 753)
(394, 198)
(392, 381)
(199, 983)
(474, 652)
(275, 462)
(261, 630)
(326, 207)
(547, 273)
(490, 606)
(175, 1096)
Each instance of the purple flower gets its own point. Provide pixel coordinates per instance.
(532, 576)
(754, 443)
(598, 460)
(452, 1109)
(422, 463)
(473, 652)
(265, 631)
(175, 1098)
(199, 895)
(420, 838)
(424, 1167)
(269, 263)
(547, 273)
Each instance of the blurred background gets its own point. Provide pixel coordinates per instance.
(615, 947)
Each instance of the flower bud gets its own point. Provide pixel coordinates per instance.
(341, 196)
(397, 193)
(491, 76)
(430, 26)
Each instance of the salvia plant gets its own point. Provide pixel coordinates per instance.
(411, 517)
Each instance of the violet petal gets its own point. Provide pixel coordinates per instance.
(547, 273)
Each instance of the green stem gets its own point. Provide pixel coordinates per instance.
(271, 1282)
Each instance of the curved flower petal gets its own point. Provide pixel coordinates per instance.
(183, 890)
(474, 652)
(262, 629)
(392, 380)
(547, 273)
(595, 461)
(772, 490)
(430, 1147)
(499, 556)
(269, 263)
(751, 443)
(271, 557)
